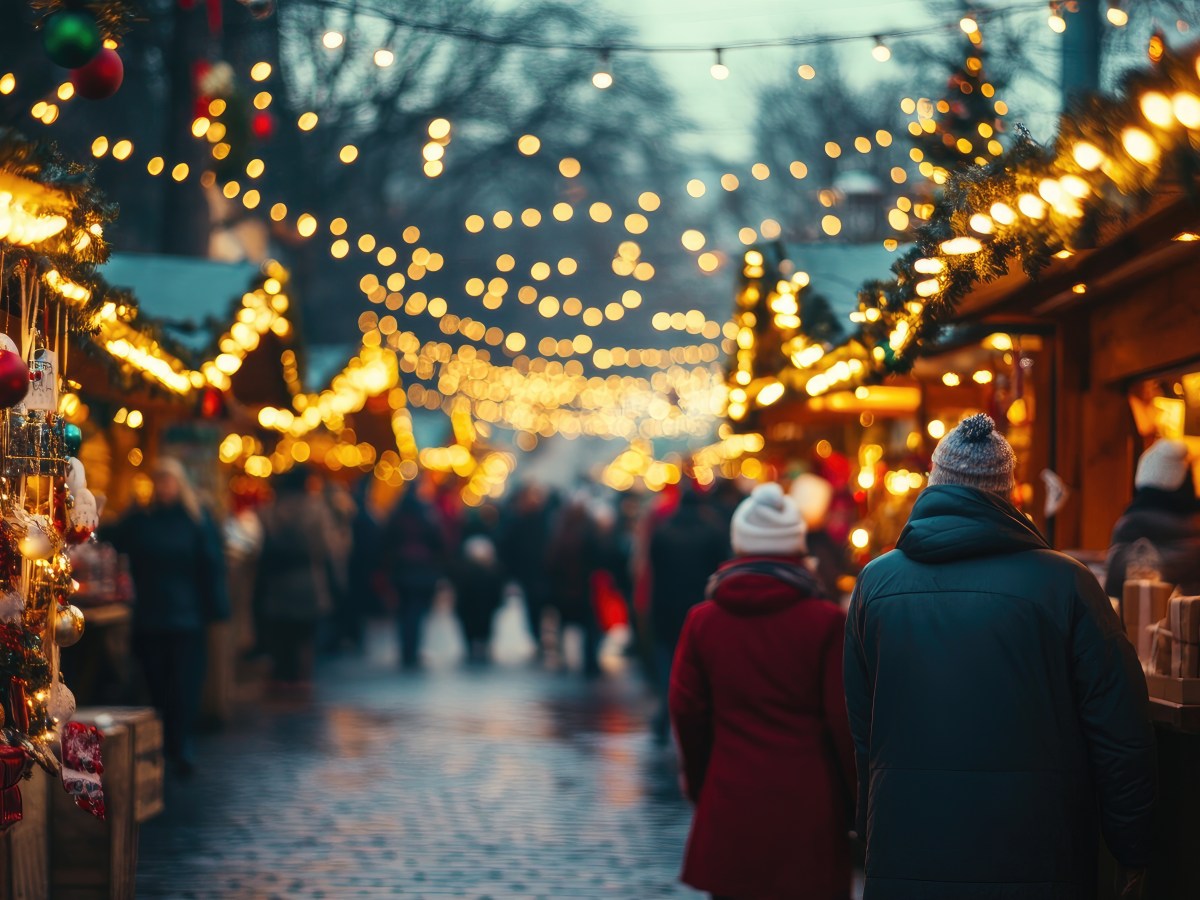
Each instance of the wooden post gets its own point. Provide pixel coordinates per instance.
(25, 847)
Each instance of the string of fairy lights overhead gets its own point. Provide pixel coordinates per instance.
(625, 262)
(606, 51)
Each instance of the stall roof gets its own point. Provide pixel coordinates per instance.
(837, 271)
(323, 361)
(184, 295)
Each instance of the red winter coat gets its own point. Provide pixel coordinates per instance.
(757, 703)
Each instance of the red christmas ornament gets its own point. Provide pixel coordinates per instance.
(14, 378)
(100, 78)
(263, 125)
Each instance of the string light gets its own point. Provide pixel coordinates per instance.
(1056, 21)
(602, 78)
(719, 70)
(880, 51)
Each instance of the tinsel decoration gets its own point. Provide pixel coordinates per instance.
(114, 17)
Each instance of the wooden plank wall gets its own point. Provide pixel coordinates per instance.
(1103, 345)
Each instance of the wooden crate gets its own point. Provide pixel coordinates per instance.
(1184, 691)
(148, 764)
(25, 847)
(95, 860)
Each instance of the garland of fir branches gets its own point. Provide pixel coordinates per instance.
(1114, 183)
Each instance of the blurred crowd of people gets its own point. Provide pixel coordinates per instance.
(310, 567)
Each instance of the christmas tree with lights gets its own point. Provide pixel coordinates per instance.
(963, 127)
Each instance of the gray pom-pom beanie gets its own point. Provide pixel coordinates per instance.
(974, 455)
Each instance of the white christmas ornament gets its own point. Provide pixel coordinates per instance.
(83, 516)
(36, 542)
(76, 477)
(7, 343)
(62, 703)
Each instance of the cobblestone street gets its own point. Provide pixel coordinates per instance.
(470, 783)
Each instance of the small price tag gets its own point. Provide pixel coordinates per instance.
(43, 389)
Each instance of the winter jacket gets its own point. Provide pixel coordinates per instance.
(478, 593)
(684, 551)
(573, 555)
(999, 713)
(1174, 531)
(414, 549)
(295, 567)
(178, 569)
(757, 704)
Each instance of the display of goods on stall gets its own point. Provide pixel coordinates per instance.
(51, 237)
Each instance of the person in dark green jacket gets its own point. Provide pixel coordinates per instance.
(1000, 716)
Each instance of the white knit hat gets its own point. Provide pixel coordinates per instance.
(1164, 466)
(767, 523)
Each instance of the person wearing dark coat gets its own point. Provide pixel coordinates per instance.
(524, 533)
(685, 550)
(415, 554)
(757, 703)
(478, 593)
(295, 575)
(572, 557)
(1165, 512)
(177, 565)
(999, 713)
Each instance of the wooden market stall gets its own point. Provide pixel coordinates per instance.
(1080, 259)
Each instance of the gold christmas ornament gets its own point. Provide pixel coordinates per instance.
(68, 628)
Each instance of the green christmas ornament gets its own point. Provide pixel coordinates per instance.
(71, 38)
(73, 438)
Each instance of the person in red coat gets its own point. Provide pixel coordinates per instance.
(758, 708)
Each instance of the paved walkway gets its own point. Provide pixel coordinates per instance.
(492, 783)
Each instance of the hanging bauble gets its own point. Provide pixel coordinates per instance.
(68, 627)
(72, 438)
(35, 543)
(71, 38)
(14, 378)
(62, 702)
(76, 476)
(83, 517)
(7, 343)
(260, 9)
(100, 78)
(263, 125)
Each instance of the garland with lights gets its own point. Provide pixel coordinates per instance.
(1033, 203)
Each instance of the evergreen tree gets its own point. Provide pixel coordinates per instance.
(964, 126)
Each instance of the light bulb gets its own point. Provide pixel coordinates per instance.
(880, 51)
(602, 79)
(719, 71)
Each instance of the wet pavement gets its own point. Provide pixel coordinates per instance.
(495, 783)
